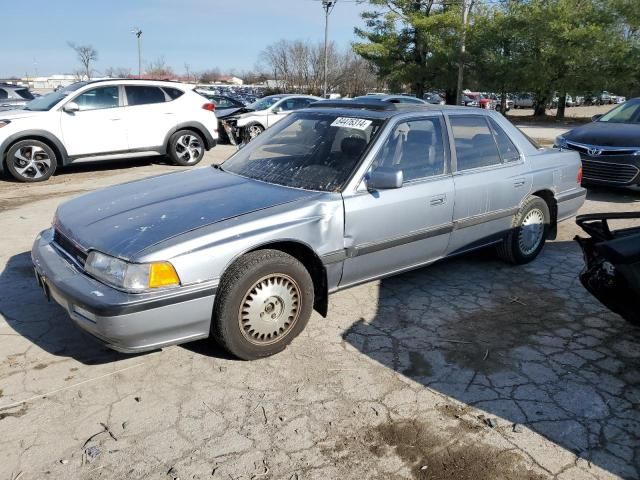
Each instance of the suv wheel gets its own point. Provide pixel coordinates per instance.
(186, 148)
(264, 302)
(31, 161)
(528, 233)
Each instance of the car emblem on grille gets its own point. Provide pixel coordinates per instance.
(594, 151)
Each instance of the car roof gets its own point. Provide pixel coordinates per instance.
(138, 81)
(375, 108)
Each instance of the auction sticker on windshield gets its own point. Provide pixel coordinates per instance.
(346, 122)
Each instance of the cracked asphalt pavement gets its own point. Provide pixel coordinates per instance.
(467, 369)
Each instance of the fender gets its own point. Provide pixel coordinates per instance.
(209, 141)
(24, 134)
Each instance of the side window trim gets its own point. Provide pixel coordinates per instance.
(79, 94)
(454, 154)
(445, 146)
(492, 126)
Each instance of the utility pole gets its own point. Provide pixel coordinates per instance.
(466, 6)
(328, 8)
(138, 33)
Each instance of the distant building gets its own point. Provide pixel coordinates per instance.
(50, 82)
(228, 80)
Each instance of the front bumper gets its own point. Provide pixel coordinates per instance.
(123, 321)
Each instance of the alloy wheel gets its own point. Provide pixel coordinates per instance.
(31, 161)
(270, 309)
(531, 231)
(188, 148)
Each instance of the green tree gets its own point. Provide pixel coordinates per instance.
(411, 42)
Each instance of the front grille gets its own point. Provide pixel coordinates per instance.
(70, 248)
(609, 172)
(602, 151)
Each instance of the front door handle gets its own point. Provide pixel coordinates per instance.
(438, 200)
(519, 182)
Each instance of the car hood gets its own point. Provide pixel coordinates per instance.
(18, 113)
(606, 134)
(126, 219)
(227, 112)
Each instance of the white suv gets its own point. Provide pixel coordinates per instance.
(104, 120)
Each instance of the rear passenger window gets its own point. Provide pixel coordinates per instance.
(416, 148)
(142, 95)
(475, 147)
(3, 94)
(508, 150)
(172, 92)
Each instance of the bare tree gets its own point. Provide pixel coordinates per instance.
(298, 66)
(117, 72)
(209, 76)
(86, 55)
(159, 68)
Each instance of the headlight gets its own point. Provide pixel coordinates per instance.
(4, 123)
(135, 277)
(560, 142)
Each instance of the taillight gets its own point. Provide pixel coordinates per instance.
(209, 106)
(579, 179)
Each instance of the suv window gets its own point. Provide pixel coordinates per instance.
(98, 98)
(508, 150)
(173, 93)
(3, 93)
(143, 95)
(416, 147)
(24, 93)
(475, 146)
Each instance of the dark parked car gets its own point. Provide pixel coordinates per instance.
(225, 107)
(13, 96)
(609, 146)
(612, 258)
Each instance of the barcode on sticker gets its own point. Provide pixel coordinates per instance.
(346, 122)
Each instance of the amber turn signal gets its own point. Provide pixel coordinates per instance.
(162, 274)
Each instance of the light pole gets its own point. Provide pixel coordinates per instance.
(463, 48)
(138, 33)
(328, 8)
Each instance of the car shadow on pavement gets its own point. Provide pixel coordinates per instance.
(527, 345)
(46, 324)
(613, 195)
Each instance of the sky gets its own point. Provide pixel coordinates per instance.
(228, 34)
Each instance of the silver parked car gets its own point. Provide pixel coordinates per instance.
(332, 196)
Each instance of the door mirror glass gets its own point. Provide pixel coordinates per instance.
(383, 178)
(71, 107)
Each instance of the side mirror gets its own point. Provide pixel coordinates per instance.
(277, 110)
(383, 178)
(595, 118)
(71, 107)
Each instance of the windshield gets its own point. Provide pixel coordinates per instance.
(626, 113)
(46, 102)
(264, 103)
(313, 151)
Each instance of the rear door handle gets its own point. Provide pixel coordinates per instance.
(519, 182)
(438, 200)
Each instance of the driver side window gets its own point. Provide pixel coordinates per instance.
(98, 98)
(416, 147)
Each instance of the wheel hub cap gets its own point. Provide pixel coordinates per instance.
(188, 148)
(270, 309)
(31, 161)
(531, 231)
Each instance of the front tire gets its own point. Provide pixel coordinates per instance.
(186, 148)
(265, 300)
(252, 131)
(528, 233)
(31, 161)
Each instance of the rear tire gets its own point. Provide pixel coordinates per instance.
(528, 232)
(186, 148)
(264, 301)
(31, 161)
